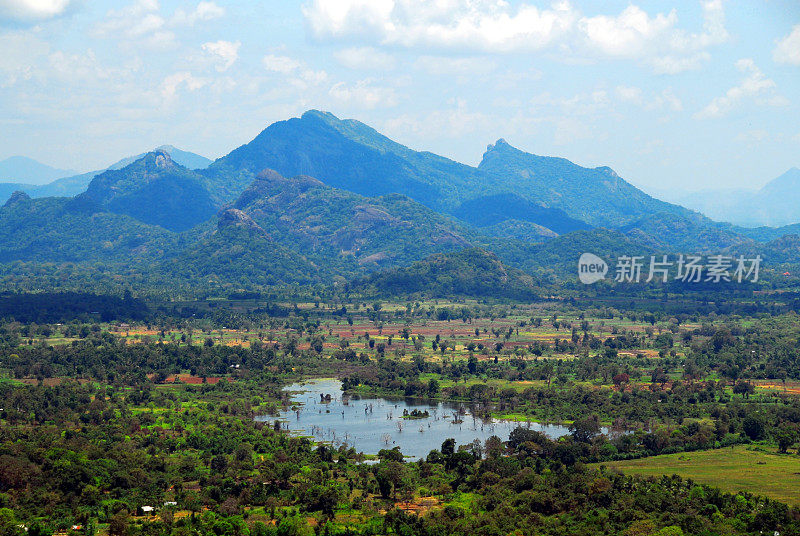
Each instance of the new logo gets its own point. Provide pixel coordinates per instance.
(591, 268)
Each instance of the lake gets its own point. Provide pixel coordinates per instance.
(374, 423)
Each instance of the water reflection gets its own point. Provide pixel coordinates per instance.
(320, 410)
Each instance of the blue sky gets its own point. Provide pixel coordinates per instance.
(687, 96)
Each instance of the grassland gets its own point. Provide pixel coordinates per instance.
(742, 468)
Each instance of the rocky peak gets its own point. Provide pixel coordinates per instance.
(17, 197)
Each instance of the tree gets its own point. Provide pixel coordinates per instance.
(448, 446)
(620, 380)
(744, 388)
(8, 523)
(433, 388)
(118, 526)
(584, 430)
(786, 436)
(754, 427)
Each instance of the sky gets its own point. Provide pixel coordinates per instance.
(674, 97)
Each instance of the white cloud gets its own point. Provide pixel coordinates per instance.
(448, 66)
(364, 58)
(297, 73)
(225, 53)
(626, 34)
(668, 99)
(32, 10)
(77, 66)
(450, 122)
(364, 95)
(671, 64)
(280, 64)
(657, 41)
(171, 84)
(754, 85)
(474, 25)
(496, 26)
(140, 22)
(634, 95)
(203, 12)
(630, 94)
(22, 51)
(788, 48)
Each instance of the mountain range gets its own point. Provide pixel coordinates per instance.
(776, 204)
(62, 183)
(21, 169)
(319, 200)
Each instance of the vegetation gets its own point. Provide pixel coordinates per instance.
(102, 420)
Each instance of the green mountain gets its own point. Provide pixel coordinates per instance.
(471, 272)
(154, 190)
(186, 159)
(491, 210)
(557, 259)
(597, 196)
(692, 234)
(72, 185)
(352, 156)
(338, 226)
(239, 254)
(344, 154)
(63, 230)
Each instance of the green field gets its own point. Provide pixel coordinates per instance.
(733, 470)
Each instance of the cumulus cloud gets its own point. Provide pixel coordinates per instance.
(32, 10)
(495, 26)
(143, 23)
(625, 35)
(173, 82)
(203, 12)
(225, 53)
(788, 48)
(140, 22)
(755, 85)
(280, 64)
(477, 24)
(295, 72)
(364, 58)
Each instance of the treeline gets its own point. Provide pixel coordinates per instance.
(52, 307)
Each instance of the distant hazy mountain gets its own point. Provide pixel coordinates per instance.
(69, 184)
(776, 204)
(23, 170)
(154, 190)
